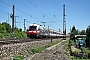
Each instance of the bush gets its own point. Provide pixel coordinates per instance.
(71, 43)
(87, 53)
(76, 53)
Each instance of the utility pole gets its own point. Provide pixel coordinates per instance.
(13, 20)
(12, 16)
(64, 22)
(24, 25)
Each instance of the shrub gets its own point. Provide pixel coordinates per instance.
(71, 43)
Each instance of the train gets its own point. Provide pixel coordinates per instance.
(39, 31)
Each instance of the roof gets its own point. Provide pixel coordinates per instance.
(80, 35)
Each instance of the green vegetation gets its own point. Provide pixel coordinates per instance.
(77, 54)
(18, 58)
(40, 49)
(6, 31)
(73, 58)
(75, 31)
(88, 31)
(71, 43)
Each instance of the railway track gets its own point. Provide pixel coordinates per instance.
(12, 41)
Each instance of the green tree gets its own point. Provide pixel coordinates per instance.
(88, 31)
(20, 30)
(2, 29)
(73, 32)
(73, 29)
(7, 27)
(83, 32)
(6, 31)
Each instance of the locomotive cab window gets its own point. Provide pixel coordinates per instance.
(32, 27)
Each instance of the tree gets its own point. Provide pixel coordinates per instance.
(88, 31)
(83, 32)
(6, 31)
(2, 29)
(73, 29)
(7, 27)
(20, 30)
(73, 32)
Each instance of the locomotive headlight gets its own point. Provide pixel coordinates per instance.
(34, 31)
(30, 31)
(38, 31)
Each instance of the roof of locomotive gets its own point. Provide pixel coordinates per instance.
(35, 24)
(38, 25)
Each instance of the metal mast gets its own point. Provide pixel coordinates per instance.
(24, 25)
(12, 16)
(64, 22)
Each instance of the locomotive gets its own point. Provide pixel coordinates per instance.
(39, 31)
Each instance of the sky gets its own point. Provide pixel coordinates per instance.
(49, 11)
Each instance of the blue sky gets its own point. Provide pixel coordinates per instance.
(49, 11)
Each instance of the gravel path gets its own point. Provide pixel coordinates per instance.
(57, 52)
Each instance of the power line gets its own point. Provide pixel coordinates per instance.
(46, 8)
(26, 5)
(25, 12)
(38, 9)
(11, 6)
(34, 6)
(19, 10)
(6, 3)
(49, 12)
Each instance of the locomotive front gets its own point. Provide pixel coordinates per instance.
(33, 31)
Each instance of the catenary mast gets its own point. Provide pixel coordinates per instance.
(64, 22)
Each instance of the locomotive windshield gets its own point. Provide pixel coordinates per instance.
(32, 27)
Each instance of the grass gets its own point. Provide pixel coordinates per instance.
(40, 49)
(73, 58)
(18, 58)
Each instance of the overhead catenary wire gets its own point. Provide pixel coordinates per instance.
(4, 13)
(27, 13)
(38, 9)
(5, 3)
(49, 12)
(47, 8)
(19, 10)
(32, 10)
(26, 6)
